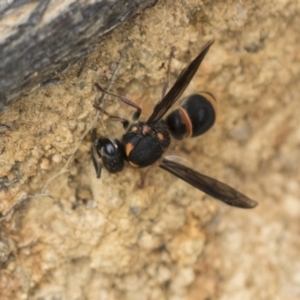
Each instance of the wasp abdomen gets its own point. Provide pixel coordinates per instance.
(195, 116)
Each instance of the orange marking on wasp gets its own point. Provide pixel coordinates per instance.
(186, 121)
(128, 148)
(133, 165)
(160, 136)
(134, 128)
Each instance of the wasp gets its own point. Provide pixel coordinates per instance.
(144, 143)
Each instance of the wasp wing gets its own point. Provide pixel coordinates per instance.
(208, 185)
(179, 86)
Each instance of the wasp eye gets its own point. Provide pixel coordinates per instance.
(110, 149)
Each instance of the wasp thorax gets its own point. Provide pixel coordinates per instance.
(145, 146)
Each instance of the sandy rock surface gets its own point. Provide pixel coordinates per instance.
(117, 238)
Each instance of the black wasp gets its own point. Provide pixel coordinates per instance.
(145, 142)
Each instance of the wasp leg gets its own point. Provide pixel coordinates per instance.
(115, 118)
(136, 115)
